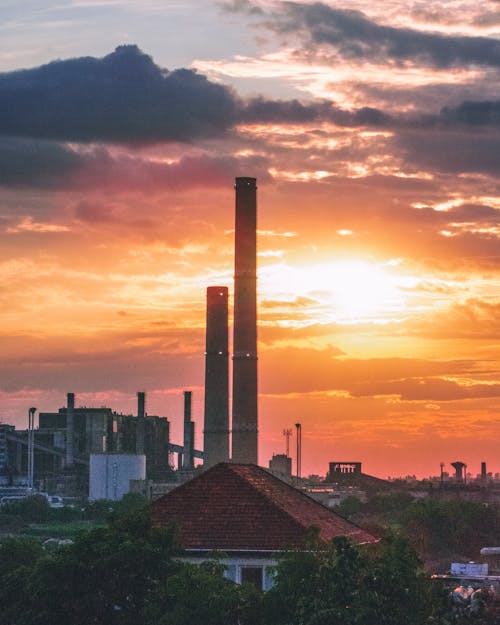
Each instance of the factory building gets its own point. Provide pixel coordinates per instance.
(65, 440)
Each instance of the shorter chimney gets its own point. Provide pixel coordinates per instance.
(140, 426)
(188, 456)
(70, 429)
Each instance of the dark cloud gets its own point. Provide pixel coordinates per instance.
(240, 6)
(429, 97)
(473, 113)
(354, 36)
(123, 97)
(294, 111)
(450, 152)
(126, 98)
(26, 163)
(468, 113)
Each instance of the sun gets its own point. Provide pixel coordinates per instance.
(359, 290)
(342, 291)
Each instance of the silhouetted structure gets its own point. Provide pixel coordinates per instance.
(281, 465)
(342, 468)
(244, 423)
(459, 470)
(216, 420)
(188, 457)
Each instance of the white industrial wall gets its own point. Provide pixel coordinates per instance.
(110, 474)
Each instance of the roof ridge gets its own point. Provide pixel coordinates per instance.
(295, 490)
(281, 482)
(262, 494)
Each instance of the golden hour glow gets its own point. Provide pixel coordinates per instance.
(344, 291)
(372, 130)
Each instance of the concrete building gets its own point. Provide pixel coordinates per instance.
(110, 474)
(281, 465)
(245, 421)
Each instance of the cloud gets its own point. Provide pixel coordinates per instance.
(26, 163)
(473, 113)
(304, 370)
(354, 36)
(123, 97)
(240, 6)
(450, 152)
(430, 389)
(28, 225)
(293, 111)
(466, 114)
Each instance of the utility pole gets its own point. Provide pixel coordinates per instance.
(31, 446)
(299, 449)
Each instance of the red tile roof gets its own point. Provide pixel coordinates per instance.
(243, 507)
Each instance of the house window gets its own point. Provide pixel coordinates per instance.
(253, 575)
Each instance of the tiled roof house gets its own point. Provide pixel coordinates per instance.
(249, 515)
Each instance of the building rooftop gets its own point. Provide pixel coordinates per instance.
(241, 507)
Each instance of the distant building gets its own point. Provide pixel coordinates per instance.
(281, 465)
(342, 468)
(250, 516)
(111, 474)
(65, 440)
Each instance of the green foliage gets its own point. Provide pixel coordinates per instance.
(390, 507)
(199, 595)
(55, 529)
(127, 573)
(34, 509)
(349, 507)
(130, 504)
(348, 585)
(18, 556)
(105, 577)
(451, 527)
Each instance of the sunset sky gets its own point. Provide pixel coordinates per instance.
(373, 129)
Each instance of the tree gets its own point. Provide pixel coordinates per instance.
(348, 585)
(106, 577)
(200, 595)
(18, 556)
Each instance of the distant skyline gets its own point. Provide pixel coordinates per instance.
(373, 130)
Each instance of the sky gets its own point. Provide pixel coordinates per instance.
(373, 129)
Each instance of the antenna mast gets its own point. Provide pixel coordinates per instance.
(287, 434)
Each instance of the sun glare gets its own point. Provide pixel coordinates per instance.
(346, 291)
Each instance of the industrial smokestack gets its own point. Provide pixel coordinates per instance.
(140, 426)
(188, 456)
(70, 428)
(216, 419)
(141, 404)
(244, 426)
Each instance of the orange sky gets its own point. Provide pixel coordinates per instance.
(374, 135)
